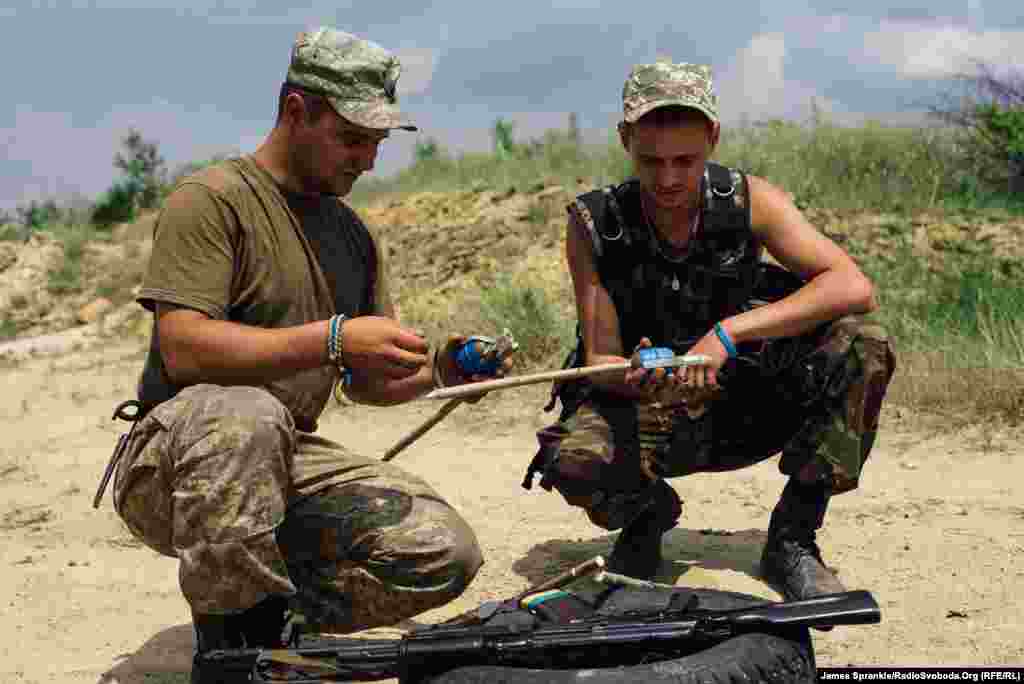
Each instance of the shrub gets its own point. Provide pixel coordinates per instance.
(530, 314)
(117, 205)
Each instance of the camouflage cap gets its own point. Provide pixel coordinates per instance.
(664, 83)
(358, 77)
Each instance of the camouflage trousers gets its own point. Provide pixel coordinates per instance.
(219, 478)
(815, 398)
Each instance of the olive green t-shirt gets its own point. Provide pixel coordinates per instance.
(230, 243)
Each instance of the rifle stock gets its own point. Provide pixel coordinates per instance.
(436, 649)
(849, 608)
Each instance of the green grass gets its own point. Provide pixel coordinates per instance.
(8, 329)
(13, 232)
(539, 213)
(966, 302)
(556, 162)
(66, 278)
(870, 167)
(531, 314)
(958, 329)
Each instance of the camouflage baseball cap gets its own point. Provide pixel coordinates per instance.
(664, 83)
(356, 76)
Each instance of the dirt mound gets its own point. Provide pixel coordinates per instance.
(436, 239)
(443, 249)
(58, 291)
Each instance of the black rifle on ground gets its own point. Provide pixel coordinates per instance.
(587, 642)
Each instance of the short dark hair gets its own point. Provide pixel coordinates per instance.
(316, 105)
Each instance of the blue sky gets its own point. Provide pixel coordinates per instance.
(201, 76)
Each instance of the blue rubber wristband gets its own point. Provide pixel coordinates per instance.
(726, 341)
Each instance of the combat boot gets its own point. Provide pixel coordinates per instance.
(637, 551)
(791, 560)
(256, 628)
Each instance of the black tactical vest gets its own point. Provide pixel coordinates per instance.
(674, 302)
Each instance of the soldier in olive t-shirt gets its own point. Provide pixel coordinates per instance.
(236, 246)
(253, 260)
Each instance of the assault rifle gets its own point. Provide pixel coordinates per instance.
(585, 642)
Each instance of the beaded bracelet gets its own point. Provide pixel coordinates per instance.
(334, 347)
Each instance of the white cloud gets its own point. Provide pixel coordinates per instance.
(936, 52)
(418, 65)
(754, 84)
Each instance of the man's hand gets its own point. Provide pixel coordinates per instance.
(692, 385)
(653, 383)
(706, 376)
(379, 346)
(450, 373)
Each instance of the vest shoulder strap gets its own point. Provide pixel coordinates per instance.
(726, 194)
(726, 199)
(600, 213)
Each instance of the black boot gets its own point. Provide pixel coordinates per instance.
(637, 551)
(258, 627)
(791, 560)
(263, 624)
(213, 633)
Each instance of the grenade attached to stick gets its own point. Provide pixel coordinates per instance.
(477, 356)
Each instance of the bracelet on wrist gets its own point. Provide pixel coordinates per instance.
(334, 346)
(726, 341)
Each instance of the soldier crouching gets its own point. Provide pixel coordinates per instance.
(675, 258)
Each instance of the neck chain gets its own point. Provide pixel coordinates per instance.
(657, 239)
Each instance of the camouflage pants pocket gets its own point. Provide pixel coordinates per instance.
(598, 467)
(141, 491)
(840, 433)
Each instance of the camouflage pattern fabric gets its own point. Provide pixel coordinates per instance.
(665, 83)
(358, 77)
(219, 478)
(856, 362)
(815, 398)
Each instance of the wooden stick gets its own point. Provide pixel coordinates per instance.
(475, 388)
(504, 346)
(488, 608)
(594, 565)
(606, 577)
(422, 429)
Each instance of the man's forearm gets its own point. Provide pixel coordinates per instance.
(228, 353)
(829, 296)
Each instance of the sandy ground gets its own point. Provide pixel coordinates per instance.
(936, 531)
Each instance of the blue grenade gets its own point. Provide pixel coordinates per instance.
(481, 355)
(654, 357)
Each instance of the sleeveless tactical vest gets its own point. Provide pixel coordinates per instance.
(674, 301)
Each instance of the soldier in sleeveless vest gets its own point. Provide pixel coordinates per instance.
(268, 292)
(676, 258)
